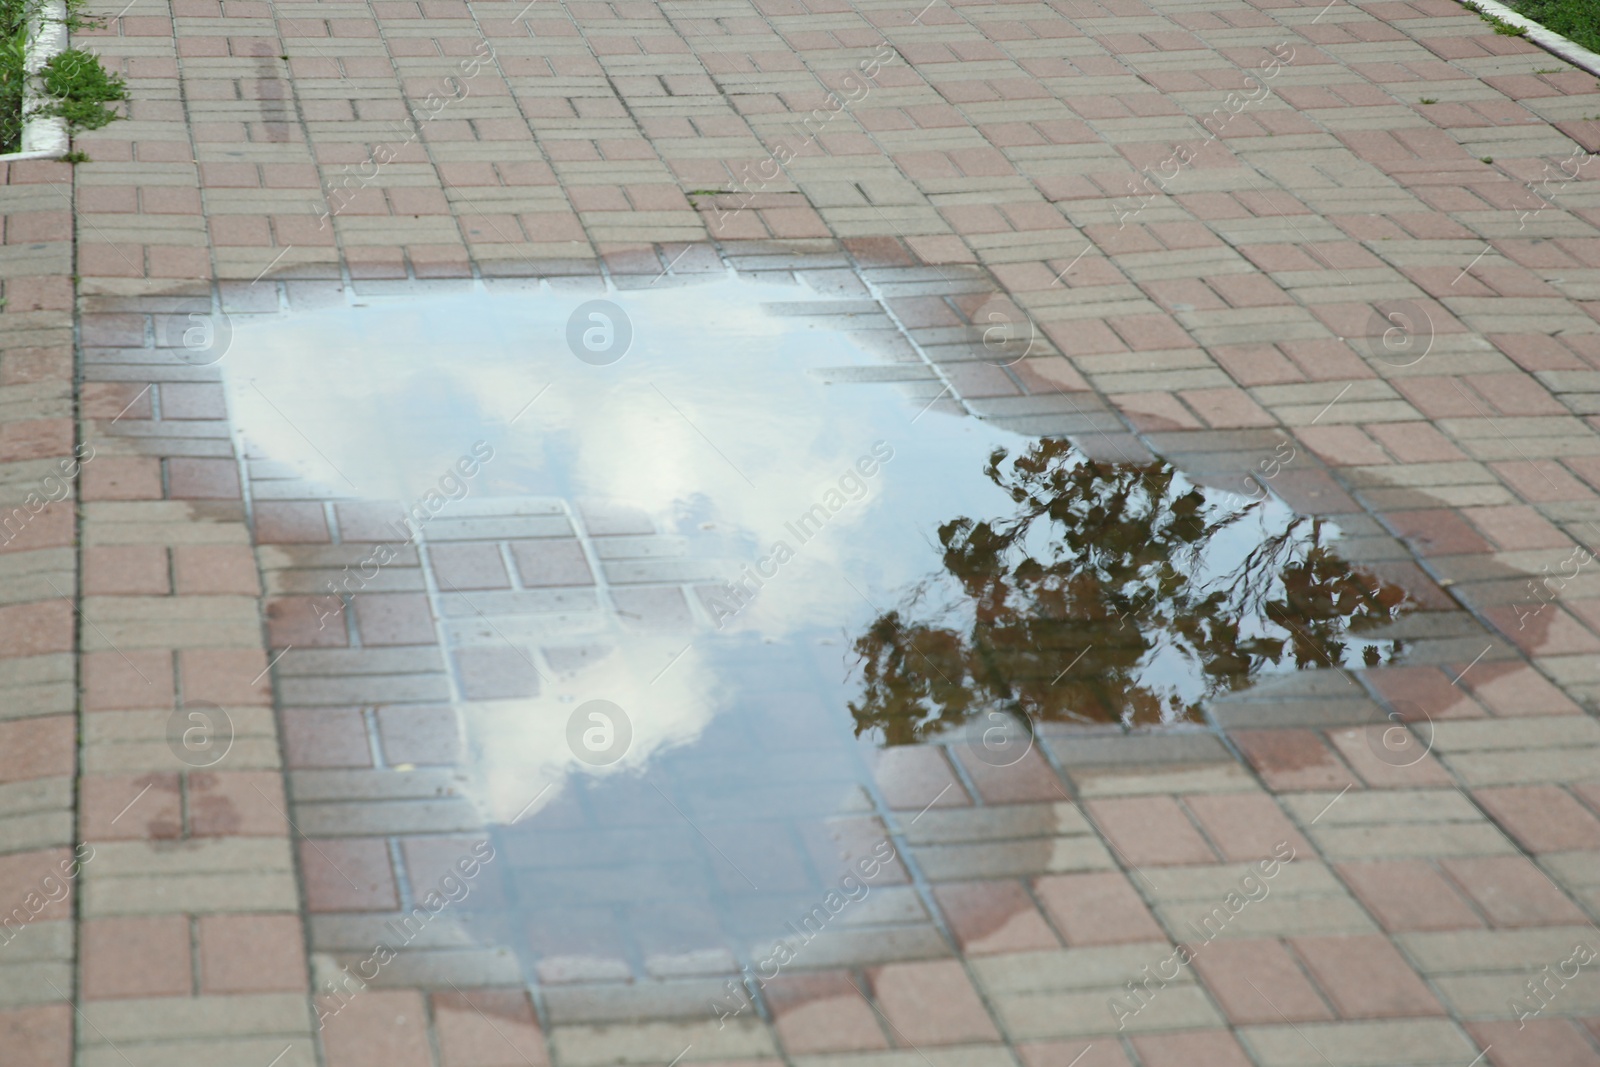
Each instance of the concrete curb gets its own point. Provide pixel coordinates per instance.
(43, 137)
(1549, 40)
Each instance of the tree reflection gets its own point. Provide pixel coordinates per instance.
(1113, 593)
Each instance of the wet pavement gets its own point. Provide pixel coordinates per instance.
(1044, 536)
(665, 667)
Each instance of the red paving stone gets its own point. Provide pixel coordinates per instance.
(218, 570)
(131, 806)
(1245, 826)
(1409, 895)
(1366, 977)
(487, 1028)
(1516, 689)
(916, 778)
(236, 804)
(131, 570)
(1512, 891)
(1542, 818)
(1428, 690)
(1193, 1048)
(1101, 908)
(1535, 1042)
(353, 874)
(136, 956)
(1390, 760)
(39, 1035)
(1293, 760)
(37, 748)
(931, 1003)
(1258, 981)
(824, 1012)
(326, 737)
(1082, 1053)
(994, 916)
(1150, 830)
(394, 619)
(1029, 779)
(378, 1028)
(251, 954)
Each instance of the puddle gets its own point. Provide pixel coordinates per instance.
(748, 547)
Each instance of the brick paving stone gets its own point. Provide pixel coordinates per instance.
(1244, 826)
(136, 956)
(37, 748)
(1192, 1048)
(394, 619)
(352, 874)
(325, 737)
(111, 570)
(1552, 632)
(22, 873)
(931, 1003)
(1029, 779)
(39, 1035)
(1534, 1041)
(250, 954)
(471, 565)
(1257, 981)
(496, 673)
(419, 735)
(1384, 763)
(1435, 532)
(214, 570)
(994, 916)
(290, 523)
(202, 479)
(1542, 818)
(236, 804)
(122, 478)
(1512, 891)
(1409, 895)
(487, 1028)
(1423, 689)
(379, 1028)
(1516, 689)
(823, 1011)
(1399, 1041)
(306, 622)
(1293, 759)
(1083, 1053)
(1150, 831)
(124, 806)
(551, 563)
(226, 676)
(192, 400)
(1366, 977)
(913, 778)
(1098, 908)
(428, 860)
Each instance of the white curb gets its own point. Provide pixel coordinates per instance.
(43, 137)
(1549, 40)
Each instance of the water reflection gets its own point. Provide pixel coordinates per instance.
(736, 543)
(1157, 594)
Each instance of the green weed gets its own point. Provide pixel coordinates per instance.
(77, 86)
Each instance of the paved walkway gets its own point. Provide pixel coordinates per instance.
(1369, 229)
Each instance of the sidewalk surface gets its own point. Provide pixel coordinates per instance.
(1369, 230)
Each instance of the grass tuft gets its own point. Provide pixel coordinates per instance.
(79, 88)
(1576, 20)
